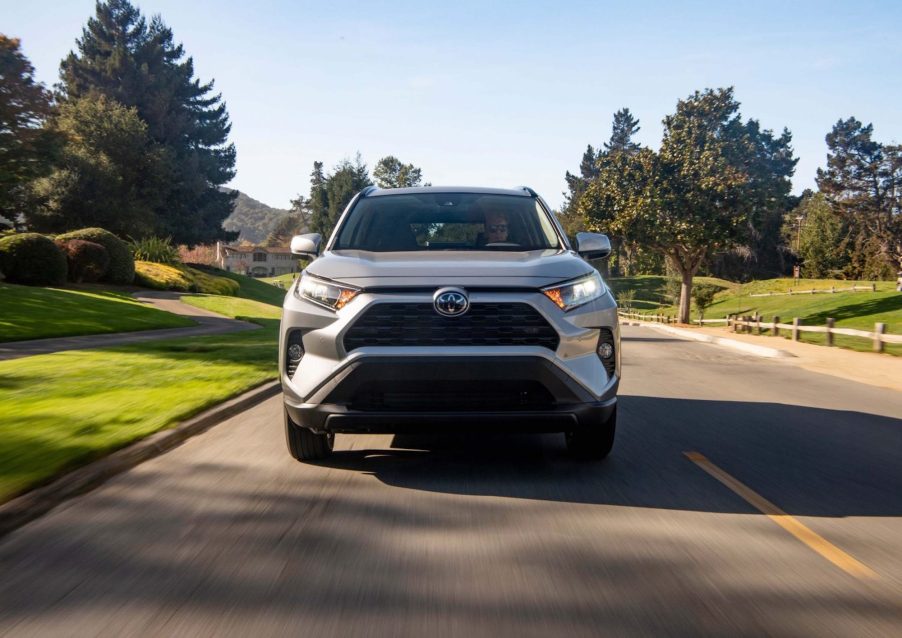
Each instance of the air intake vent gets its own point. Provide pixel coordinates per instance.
(418, 324)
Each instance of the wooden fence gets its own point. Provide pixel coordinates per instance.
(830, 290)
(752, 324)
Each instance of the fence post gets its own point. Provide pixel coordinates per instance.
(830, 323)
(795, 328)
(832, 289)
(873, 287)
(776, 329)
(879, 329)
(757, 324)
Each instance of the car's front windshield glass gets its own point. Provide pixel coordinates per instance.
(446, 221)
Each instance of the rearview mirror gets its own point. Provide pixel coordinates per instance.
(593, 245)
(307, 245)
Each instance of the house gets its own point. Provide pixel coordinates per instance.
(256, 261)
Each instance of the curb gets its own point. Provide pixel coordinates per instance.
(31, 505)
(748, 348)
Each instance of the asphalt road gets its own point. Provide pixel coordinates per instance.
(414, 536)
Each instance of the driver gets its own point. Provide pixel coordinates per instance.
(495, 227)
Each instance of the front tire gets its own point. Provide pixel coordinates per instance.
(304, 444)
(595, 442)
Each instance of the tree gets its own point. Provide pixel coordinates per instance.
(318, 201)
(296, 222)
(625, 126)
(106, 174)
(26, 147)
(330, 194)
(694, 198)
(817, 236)
(391, 173)
(576, 184)
(139, 65)
(863, 184)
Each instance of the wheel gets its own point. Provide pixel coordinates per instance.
(305, 445)
(593, 443)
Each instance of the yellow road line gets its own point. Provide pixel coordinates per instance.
(819, 544)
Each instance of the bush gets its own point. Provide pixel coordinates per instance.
(182, 279)
(122, 265)
(88, 261)
(155, 249)
(33, 260)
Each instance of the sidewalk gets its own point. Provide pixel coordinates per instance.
(209, 323)
(875, 369)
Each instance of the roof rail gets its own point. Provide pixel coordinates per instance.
(369, 189)
(527, 189)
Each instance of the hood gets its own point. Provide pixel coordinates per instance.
(447, 268)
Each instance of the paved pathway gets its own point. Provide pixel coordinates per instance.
(882, 370)
(208, 323)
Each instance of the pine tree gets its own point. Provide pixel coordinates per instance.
(139, 65)
(863, 183)
(347, 179)
(318, 201)
(625, 127)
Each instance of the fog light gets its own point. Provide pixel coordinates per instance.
(295, 352)
(605, 350)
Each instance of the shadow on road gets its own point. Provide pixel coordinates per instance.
(806, 460)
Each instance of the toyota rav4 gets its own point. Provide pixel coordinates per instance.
(448, 310)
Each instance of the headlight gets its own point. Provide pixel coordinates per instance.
(324, 292)
(575, 293)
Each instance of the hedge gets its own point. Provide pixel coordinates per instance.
(182, 279)
(88, 261)
(32, 259)
(122, 265)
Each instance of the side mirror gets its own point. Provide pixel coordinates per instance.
(593, 245)
(307, 245)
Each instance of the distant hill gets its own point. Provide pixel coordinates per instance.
(253, 219)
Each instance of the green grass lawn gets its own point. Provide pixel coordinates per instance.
(859, 310)
(282, 281)
(256, 289)
(65, 409)
(30, 312)
(234, 307)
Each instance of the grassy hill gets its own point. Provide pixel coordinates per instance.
(31, 312)
(859, 310)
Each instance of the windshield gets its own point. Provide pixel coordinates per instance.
(446, 221)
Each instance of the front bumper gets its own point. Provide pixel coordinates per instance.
(417, 394)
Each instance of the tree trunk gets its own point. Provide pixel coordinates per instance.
(685, 292)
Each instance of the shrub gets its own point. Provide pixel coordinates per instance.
(122, 265)
(703, 295)
(88, 261)
(32, 259)
(156, 249)
(182, 279)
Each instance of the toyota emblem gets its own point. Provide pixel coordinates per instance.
(451, 302)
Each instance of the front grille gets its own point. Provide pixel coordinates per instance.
(418, 324)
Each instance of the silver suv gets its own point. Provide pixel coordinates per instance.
(449, 310)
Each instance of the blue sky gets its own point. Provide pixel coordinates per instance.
(501, 94)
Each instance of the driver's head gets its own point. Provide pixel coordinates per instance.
(495, 227)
